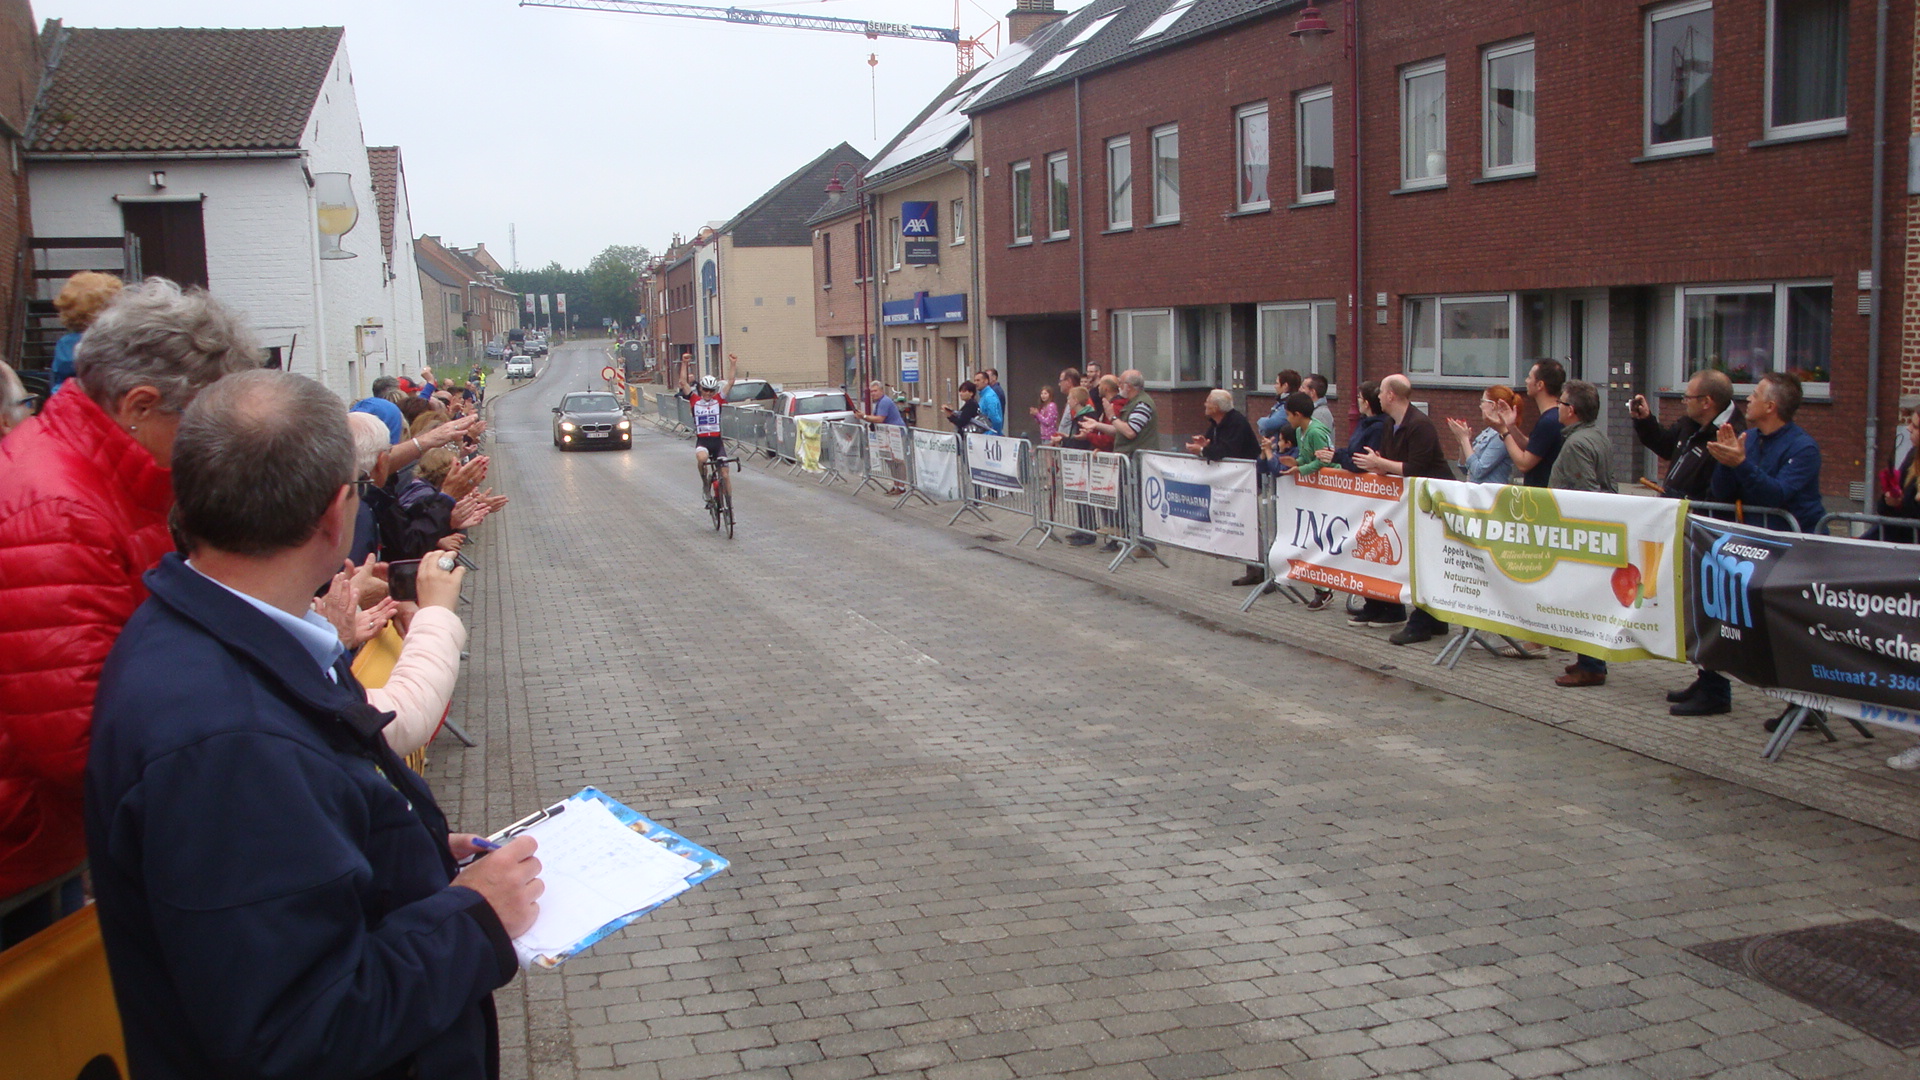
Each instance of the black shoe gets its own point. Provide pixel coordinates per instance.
(1703, 705)
(1407, 635)
(1692, 690)
(1251, 577)
(1111, 545)
(1080, 539)
(1322, 598)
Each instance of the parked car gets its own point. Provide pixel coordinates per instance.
(752, 393)
(592, 418)
(520, 367)
(495, 350)
(814, 404)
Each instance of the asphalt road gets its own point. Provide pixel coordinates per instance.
(991, 821)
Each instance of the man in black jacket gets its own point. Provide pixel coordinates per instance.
(1229, 435)
(277, 892)
(1708, 403)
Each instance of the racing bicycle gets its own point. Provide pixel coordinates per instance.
(720, 492)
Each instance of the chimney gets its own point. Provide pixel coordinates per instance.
(1028, 16)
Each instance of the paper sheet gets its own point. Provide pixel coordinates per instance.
(596, 870)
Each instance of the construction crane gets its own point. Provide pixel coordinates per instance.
(747, 17)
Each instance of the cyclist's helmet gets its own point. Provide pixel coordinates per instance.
(708, 382)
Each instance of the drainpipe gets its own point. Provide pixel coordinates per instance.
(977, 289)
(1080, 215)
(1877, 266)
(870, 357)
(1359, 244)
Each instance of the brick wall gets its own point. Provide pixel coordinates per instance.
(19, 80)
(768, 317)
(837, 307)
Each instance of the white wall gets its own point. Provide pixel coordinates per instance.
(353, 289)
(407, 325)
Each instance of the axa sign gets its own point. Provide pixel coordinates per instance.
(917, 219)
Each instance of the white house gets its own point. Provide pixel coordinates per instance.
(216, 149)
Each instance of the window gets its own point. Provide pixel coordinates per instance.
(860, 252)
(1202, 346)
(1166, 20)
(1680, 78)
(1143, 340)
(1066, 51)
(1166, 175)
(1749, 330)
(1313, 138)
(1507, 136)
(1465, 338)
(826, 259)
(1022, 202)
(894, 243)
(959, 219)
(1806, 67)
(1058, 220)
(1250, 123)
(1423, 125)
(1120, 183)
(1299, 336)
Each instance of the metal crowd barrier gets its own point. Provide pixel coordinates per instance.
(1738, 513)
(843, 452)
(1086, 493)
(890, 464)
(1875, 524)
(785, 432)
(977, 498)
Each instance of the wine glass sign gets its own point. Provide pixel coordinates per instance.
(337, 211)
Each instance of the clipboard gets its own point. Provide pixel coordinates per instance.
(704, 864)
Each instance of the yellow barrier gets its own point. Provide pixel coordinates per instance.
(57, 1016)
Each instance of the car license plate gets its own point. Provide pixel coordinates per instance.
(598, 434)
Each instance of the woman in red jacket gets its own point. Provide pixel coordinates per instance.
(84, 496)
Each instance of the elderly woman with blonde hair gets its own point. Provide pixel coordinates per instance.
(15, 404)
(81, 301)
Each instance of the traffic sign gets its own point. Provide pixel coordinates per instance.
(608, 373)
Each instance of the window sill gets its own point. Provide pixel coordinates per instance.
(1164, 224)
(962, 242)
(1117, 229)
(1028, 242)
(1528, 175)
(1057, 239)
(1251, 211)
(1305, 203)
(1788, 140)
(1419, 188)
(1669, 155)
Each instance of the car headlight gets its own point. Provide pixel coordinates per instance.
(625, 425)
(567, 425)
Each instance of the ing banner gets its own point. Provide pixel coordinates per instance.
(1343, 530)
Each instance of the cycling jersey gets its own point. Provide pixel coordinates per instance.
(706, 415)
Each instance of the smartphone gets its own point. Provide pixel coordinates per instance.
(403, 580)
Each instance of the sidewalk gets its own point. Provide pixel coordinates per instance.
(1848, 778)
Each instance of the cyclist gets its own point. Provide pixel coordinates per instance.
(706, 427)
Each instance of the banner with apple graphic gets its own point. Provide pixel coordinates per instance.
(1594, 572)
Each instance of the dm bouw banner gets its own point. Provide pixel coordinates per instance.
(1590, 571)
(1343, 530)
(1211, 506)
(1820, 615)
(936, 464)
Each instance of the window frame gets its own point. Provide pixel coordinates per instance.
(1675, 365)
(1441, 301)
(1320, 313)
(957, 219)
(1020, 183)
(1059, 181)
(1829, 126)
(1161, 216)
(1120, 352)
(1407, 74)
(1123, 144)
(1300, 166)
(1240, 164)
(1488, 55)
(1660, 14)
(826, 258)
(896, 245)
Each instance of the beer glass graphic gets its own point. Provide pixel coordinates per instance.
(337, 211)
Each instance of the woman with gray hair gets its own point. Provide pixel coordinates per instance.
(85, 491)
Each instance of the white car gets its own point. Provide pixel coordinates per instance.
(520, 367)
(815, 405)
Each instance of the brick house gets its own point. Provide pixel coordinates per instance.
(678, 321)
(206, 146)
(1637, 190)
(845, 311)
(19, 82)
(466, 300)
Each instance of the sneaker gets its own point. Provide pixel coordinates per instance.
(1251, 577)
(1407, 635)
(1677, 696)
(1387, 620)
(1321, 599)
(1362, 619)
(1080, 539)
(1702, 705)
(1906, 761)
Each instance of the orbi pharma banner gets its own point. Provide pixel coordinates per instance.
(1343, 530)
(936, 464)
(1210, 506)
(1817, 614)
(1591, 571)
(993, 461)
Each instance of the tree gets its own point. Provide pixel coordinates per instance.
(607, 289)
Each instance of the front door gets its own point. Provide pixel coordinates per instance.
(173, 239)
(1580, 332)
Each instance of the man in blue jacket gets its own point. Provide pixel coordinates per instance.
(277, 892)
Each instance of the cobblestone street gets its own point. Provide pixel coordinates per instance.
(990, 820)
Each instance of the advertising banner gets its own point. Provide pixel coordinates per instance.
(527, 299)
(1590, 571)
(909, 366)
(889, 443)
(1210, 506)
(1343, 530)
(1822, 615)
(560, 303)
(993, 461)
(936, 464)
(846, 450)
(543, 303)
(806, 444)
(920, 229)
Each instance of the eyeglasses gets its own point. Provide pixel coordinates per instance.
(361, 486)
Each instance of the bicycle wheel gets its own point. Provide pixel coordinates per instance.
(713, 504)
(726, 510)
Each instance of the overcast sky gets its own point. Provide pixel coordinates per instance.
(588, 128)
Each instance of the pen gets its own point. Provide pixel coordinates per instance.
(485, 844)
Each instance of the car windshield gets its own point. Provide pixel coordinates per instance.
(592, 403)
(820, 403)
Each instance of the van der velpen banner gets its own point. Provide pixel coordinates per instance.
(1590, 571)
(1818, 614)
(1210, 506)
(1345, 531)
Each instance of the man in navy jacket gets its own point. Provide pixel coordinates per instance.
(277, 892)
